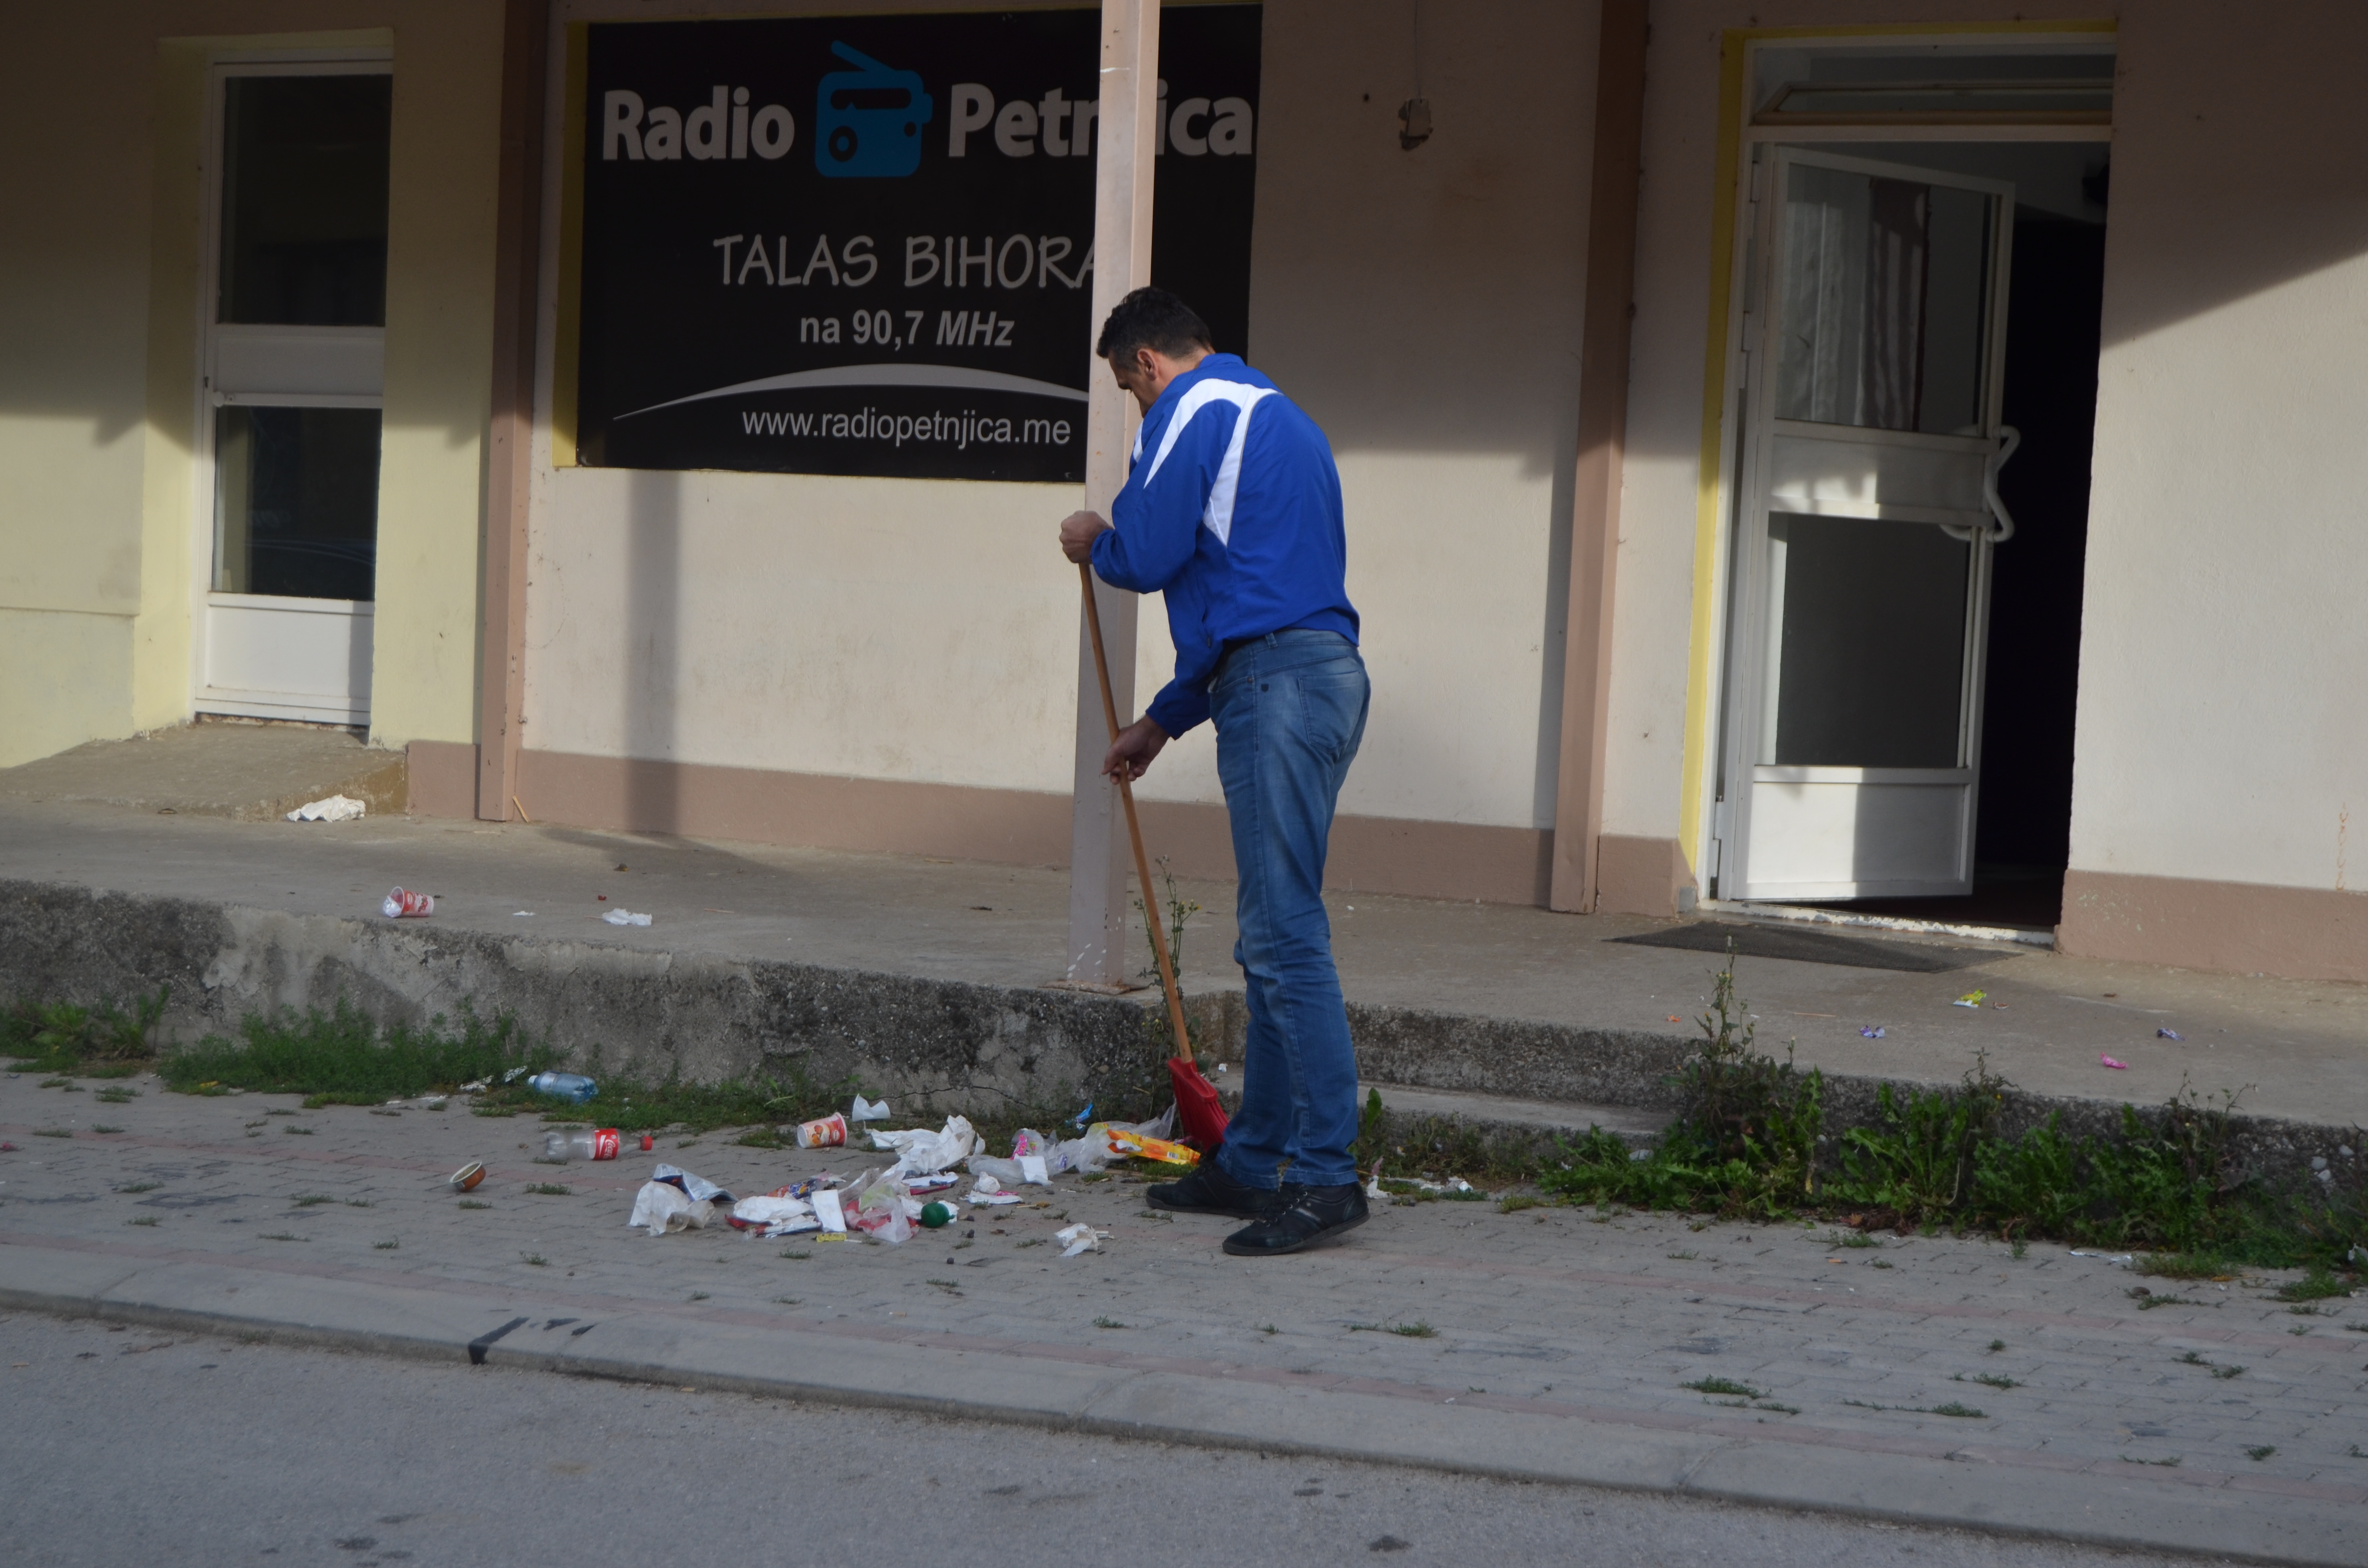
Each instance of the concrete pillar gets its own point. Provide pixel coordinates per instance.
(1098, 854)
(1602, 435)
(501, 647)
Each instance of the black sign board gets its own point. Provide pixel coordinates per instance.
(863, 245)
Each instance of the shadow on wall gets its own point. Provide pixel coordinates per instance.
(2245, 176)
(653, 633)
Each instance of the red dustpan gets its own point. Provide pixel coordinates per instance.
(1202, 1116)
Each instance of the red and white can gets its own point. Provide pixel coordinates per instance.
(400, 905)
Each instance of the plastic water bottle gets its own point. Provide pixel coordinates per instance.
(584, 1144)
(573, 1087)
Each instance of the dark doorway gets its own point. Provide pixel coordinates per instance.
(2031, 677)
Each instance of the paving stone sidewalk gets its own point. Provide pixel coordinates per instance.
(1443, 1332)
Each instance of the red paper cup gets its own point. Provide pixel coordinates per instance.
(400, 904)
(830, 1133)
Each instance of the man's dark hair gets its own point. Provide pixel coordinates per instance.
(1154, 319)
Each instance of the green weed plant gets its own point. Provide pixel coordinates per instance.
(1748, 1142)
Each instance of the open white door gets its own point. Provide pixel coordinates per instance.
(1875, 331)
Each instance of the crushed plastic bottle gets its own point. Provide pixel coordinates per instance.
(573, 1087)
(584, 1144)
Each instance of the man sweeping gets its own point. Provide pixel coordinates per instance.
(1232, 509)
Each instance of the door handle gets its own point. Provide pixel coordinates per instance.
(2009, 440)
(2003, 530)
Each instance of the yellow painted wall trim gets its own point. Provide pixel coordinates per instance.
(567, 329)
(1710, 494)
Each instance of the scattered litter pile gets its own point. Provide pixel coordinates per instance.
(914, 1189)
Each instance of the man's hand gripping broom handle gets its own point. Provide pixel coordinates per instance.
(1134, 827)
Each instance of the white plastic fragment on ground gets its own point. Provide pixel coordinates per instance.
(661, 1207)
(2118, 1259)
(937, 1181)
(989, 1192)
(1075, 1239)
(774, 1216)
(868, 1110)
(332, 808)
(826, 1209)
(920, 1151)
(1373, 1182)
(625, 918)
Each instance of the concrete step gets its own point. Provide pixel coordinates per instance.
(1499, 1114)
(250, 771)
(927, 984)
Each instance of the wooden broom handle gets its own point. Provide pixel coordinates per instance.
(1134, 827)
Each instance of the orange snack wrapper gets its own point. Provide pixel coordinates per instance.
(1153, 1148)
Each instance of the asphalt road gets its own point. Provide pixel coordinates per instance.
(135, 1445)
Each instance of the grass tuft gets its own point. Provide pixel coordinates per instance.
(63, 1037)
(1726, 1386)
(344, 1058)
(2316, 1285)
(1752, 1141)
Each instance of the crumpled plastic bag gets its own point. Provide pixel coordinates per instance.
(775, 1216)
(880, 1208)
(698, 1189)
(922, 1152)
(1094, 1152)
(331, 808)
(625, 918)
(868, 1110)
(661, 1207)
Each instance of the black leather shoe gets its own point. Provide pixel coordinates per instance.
(1307, 1217)
(1209, 1190)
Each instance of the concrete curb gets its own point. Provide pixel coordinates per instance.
(1012, 1382)
(934, 1045)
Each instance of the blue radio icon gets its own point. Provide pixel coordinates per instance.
(868, 121)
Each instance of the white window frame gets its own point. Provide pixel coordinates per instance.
(322, 367)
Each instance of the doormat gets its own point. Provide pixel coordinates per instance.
(1810, 947)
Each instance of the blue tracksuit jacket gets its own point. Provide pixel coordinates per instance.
(1232, 510)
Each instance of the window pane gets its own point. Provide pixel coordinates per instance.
(1881, 301)
(304, 162)
(296, 495)
(1866, 644)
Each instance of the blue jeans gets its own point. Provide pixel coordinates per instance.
(1290, 712)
